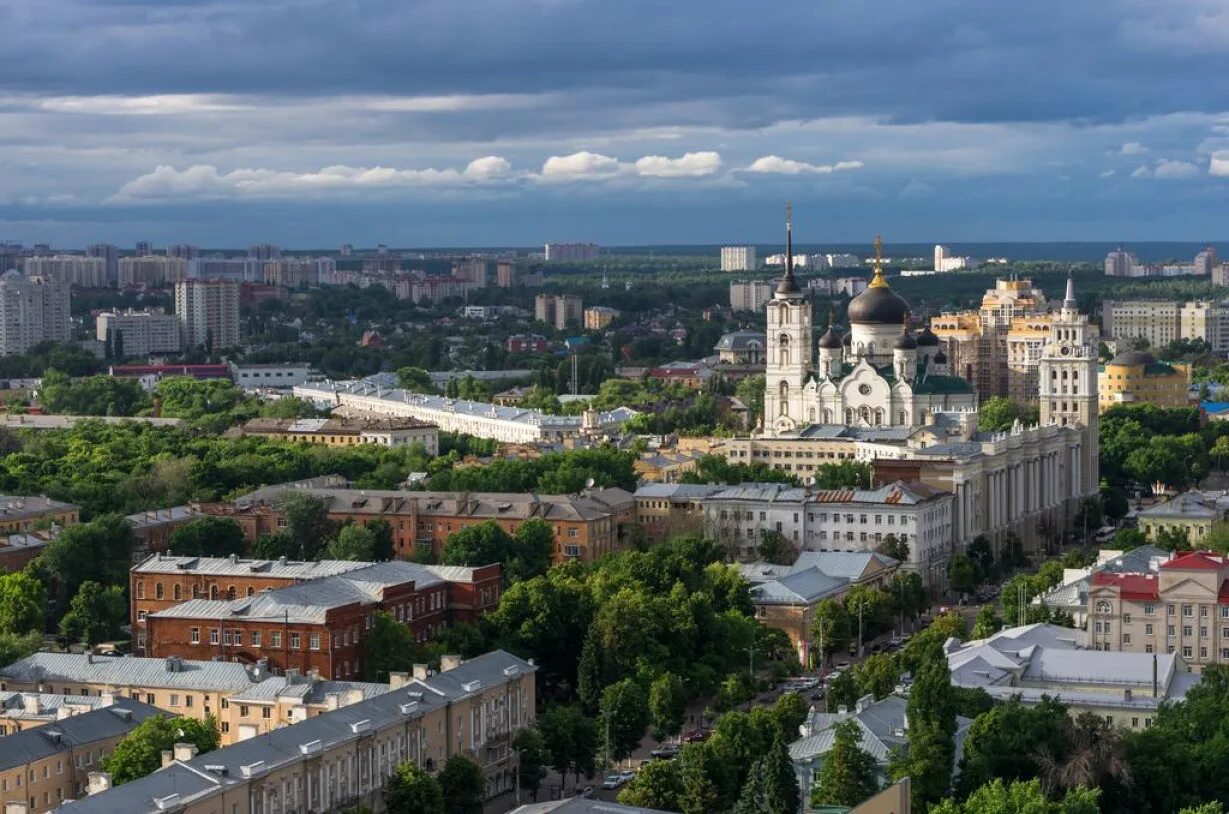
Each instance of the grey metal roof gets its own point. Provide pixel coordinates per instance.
(581, 805)
(20, 748)
(1188, 505)
(800, 587)
(15, 507)
(849, 565)
(305, 689)
(242, 567)
(128, 671)
(235, 764)
(677, 491)
(742, 340)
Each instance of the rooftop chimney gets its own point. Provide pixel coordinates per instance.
(168, 757)
(30, 703)
(422, 672)
(185, 751)
(98, 781)
(398, 679)
(449, 662)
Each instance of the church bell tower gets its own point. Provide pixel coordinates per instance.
(789, 347)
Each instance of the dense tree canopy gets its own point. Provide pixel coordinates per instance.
(140, 751)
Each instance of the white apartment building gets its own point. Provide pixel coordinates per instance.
(153, 270)
(843, 261)
(944, 261)
(261, 377)
(32, 310)
(238, 269)
(570, 252)
(839, 520)
(86, 272)
(750, 295)
(208, 312)
(1157, 322)
(143, 332)
(1208, 321)
(737, 258)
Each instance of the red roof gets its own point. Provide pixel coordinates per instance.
(1200, 560)
(1130, 586)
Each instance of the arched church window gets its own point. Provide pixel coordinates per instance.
(783, 397)
(812, 415)
(784, 344)
(848, 415)
(827, 416)
(902, 417)
(864, 414)
(879, 417)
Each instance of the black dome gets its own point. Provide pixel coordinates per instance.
(1133, 357)
(830, 340)
(905, 342)
(878, 305)
(927, 338)
(940, 358)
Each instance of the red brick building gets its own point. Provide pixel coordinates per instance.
(296, 615)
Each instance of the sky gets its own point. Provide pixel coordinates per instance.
(309, 123)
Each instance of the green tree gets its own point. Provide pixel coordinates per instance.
(209, 536)
(843, 475)
(140, 751)
(307, 522)
(411, 790)
(415, 380)
(892, 546)
(388, 646)
(658, 785)
(831, 628)
(963, 574)
(774, 548)
(531, 750)
(1172, 539)
(354, 542)
(987, 623)
(23, 603)
(667, 705)
(750, 391)
(847, 776)
(701, 794)
(1094, 754)
(479, 544)
(570, 739)
(771, 787)
(999, 413)
(98, 551)
(463, 785)
(877, 675)
(931, 736)
(14, 646)
(96, 614)
(843, 691)
(625, 715)
(1021, 798)
(532, 549)
(1006, 741)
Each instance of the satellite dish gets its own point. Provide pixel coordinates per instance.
(589, 483)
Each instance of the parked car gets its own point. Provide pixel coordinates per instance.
(697, 735)
(665, 752)
(587, 791)
(627, 774)
(613, 781)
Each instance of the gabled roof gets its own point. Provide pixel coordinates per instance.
(1195, 560)
(1130, 586)
(803, 587)
(21, 748)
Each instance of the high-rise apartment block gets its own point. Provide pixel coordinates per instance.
(737, 258)
(750, 295)
(1159, 323)
(32, 310)
(152, 271)
(83, 272)
(144, 248)
(505, 274)
(292, 272)
(997, 347)
(139, 333)
(239, 269)
(183, 251)
(600, 317)
(110, 254)
(570, 252)
(208, 312)
(1120, 263)
(264, 251)
(472, 272)
(559, 310)
(945, 261)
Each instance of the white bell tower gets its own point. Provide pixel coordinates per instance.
(789, 347)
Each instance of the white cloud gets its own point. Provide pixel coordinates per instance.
(783, 166)
(488, 168)
(1108, 174)
(1132, 148)
(1220, 163)
(1169, 170)
(1142, 171)
(917, 189)
(205, 181)
(690, 165)
(579, 166)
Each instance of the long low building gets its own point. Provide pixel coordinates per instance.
(586, 526)
(476, 418)
(341, 759)
(40, 768)
(341, 432)
(1045, 661)
(317, 625)
(245, 699)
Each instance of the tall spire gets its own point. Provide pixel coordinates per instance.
(788, 286)
(1069, 303)
(877, 281)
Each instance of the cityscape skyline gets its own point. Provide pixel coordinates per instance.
(687, 130)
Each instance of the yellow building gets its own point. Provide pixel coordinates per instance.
(1135, 377)
(340, 432)
(24, 514)
(1191, 512)
(599, 317)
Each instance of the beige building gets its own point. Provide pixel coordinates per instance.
(208, 313)
(25, 710)
(33, 310)
(341, 432)
(1137, 377)
(738, 258)
(1180, 609)
(182, 687)
(1193, 512)
(599, 317)
(559, 310)
(750, 295)
(997, 347)
(341, 759)
(1156, 322)
(42, 767)
(74, 269)
(152, 271)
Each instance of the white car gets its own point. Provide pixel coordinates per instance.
(613, 781)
